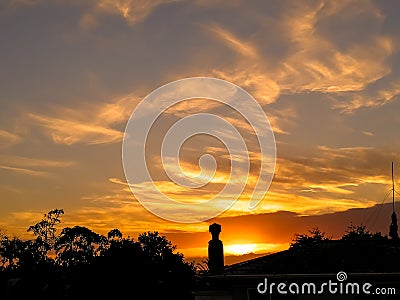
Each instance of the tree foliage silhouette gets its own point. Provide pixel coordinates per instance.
(45, 232)
(353, 234)
(314, 237)
(357, 234)
(358, 250)
(79, 262)
(114, 234)
(78, 245)
(46, 228)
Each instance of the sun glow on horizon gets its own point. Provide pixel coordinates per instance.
(241, 249)
(237, 249)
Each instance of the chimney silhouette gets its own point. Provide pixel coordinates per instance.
(215, 250)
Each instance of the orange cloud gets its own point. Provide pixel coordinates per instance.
(233, 42)
(375, 98)
(323, 180)
(72, 126)
(252, 78)
(317, 64)
(25, 171)
(133, 11)
(72, 131)
(8, 139)
(29, 166)
(21, 161)
(315, 61)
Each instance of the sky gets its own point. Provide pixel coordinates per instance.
(326, 73)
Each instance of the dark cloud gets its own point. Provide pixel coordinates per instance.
(280, 227)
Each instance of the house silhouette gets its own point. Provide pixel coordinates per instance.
(374, 261)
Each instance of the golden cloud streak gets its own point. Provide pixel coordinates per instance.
(133, 11)
(25, 171)
(330, 69)
(72, 126)
(71, 131)
(253, 79)
(315, 62)
(8, 138)
(20, 161)
(372, 99)
(233, 42)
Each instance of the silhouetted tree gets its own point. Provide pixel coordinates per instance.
(46, 228)
(167, 272)
(155, 246)
(11, 251)
(89, 265)
(315, 237)
(114, 234)
(121, 264)
(45, 232)
(77, 245)
(356, 234)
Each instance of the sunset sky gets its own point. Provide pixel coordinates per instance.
(326, 73)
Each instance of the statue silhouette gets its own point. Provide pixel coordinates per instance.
(215, 250)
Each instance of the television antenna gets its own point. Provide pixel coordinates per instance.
(393, 228)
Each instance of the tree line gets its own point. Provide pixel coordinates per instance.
(354, 234)
(79, 262)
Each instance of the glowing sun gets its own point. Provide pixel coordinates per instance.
(240, 249)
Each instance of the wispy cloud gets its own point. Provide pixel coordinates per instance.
(252, 78)
(131, 218)
(335, 173)
(31, 166)
(72, 131)
(25, 171)
(20, 161)
(8, 139)
(16, 3)
(350, 102)
(233, 42)
(316, 63)
(133, 11)
(368, 133)
(91, 125)
(190, 107)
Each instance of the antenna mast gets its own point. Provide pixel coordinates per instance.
(393, 183)
(393, 228)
